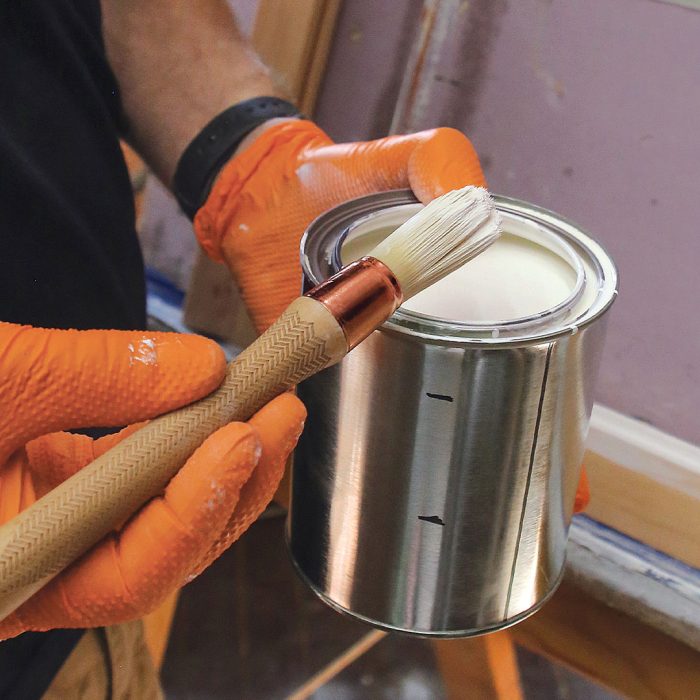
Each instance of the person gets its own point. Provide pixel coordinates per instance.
(180, 84)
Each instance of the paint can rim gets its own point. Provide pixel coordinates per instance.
(319, 251)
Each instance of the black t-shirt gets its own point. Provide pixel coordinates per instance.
(69, 256)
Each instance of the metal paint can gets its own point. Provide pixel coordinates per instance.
(433, 486)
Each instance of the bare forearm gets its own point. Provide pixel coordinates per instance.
(178, 63)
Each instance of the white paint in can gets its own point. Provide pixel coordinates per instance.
(525, 273)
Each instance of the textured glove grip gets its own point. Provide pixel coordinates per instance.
(213, 146)
(66, 522)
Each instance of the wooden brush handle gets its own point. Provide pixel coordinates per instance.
(66, 522)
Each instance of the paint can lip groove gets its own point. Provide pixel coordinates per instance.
(320, 258)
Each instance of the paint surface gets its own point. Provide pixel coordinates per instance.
(514, 278)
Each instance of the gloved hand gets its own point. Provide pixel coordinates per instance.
(265, 197)
(583, 492)
(52, 380)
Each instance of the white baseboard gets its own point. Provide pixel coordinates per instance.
(645, 449)
(689, 4)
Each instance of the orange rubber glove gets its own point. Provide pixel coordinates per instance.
(52, 380)
(583, 492)
(266, 196)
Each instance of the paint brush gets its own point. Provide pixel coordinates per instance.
(316, 331)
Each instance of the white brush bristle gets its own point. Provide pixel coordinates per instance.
(441, 237)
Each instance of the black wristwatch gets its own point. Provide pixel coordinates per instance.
(213, 146)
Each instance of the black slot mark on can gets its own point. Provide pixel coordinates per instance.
(432, 519)
(439, 397)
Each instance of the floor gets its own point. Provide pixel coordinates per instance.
(248, 629)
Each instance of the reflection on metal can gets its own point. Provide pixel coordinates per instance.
(434, 483)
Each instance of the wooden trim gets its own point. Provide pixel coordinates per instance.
(610, 647)
(503, 663)
(322, 46)
(339, 664)
(479, 667)
(283, 36)
(636, 445)
(464, 668)
(293, 39)
(644, 508)
(156, 628)
(644, 483)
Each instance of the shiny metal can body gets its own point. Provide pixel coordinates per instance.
(434, 483)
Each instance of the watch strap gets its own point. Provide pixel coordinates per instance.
(216, 142)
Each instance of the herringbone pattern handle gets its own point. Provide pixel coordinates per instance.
(65, 523)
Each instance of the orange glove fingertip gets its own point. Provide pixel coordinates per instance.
(200, 360)
(11, 626)
(279, 425)
(216, 471)
(583, 493)
(446, 161)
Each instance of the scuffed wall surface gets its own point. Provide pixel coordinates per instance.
(590, 109)
(370, 48)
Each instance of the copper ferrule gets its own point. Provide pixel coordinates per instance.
(361, 297)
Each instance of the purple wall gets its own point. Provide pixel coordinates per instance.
(361, 83)
(587, 108)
